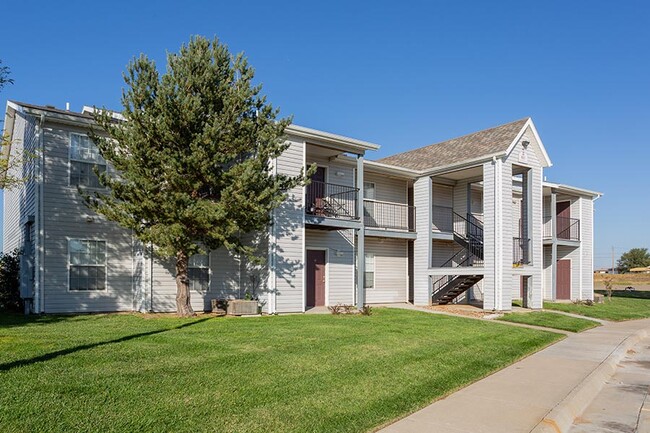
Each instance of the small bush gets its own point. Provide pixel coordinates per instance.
(336, 309)
(10, 282)
(587, 302)
(366, 310)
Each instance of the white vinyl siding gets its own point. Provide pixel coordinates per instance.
(289, 232)
(390, 265)
(87, 264)
(340, 262)
(66, 216)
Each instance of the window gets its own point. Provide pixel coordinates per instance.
(369, 207)
(84, 155)
(87, 264)
(369, 276)
(199, 272)
(369, 190)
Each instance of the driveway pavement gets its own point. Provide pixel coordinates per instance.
(543, 392)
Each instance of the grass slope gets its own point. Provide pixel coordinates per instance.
(551, 320)
(623, 306)
(304, 373)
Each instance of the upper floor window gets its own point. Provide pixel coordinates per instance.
(369, 190)
(87, 264)
(84, 156)
(199, 272)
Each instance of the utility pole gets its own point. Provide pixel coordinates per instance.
(613, 270)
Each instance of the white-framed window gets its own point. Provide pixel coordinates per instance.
(199, 272)
(369, 276)
(369, 191)
(86, 264)
(84, 156)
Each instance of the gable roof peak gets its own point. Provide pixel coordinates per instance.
(484, 143)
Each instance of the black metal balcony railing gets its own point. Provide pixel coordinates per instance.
(520, 251)
(331, 200)
(567, 228)
(388, 215)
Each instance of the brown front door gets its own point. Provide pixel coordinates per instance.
(315, 278)
(563, 287)
(563, 212)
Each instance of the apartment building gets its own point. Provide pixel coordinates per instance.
(467, 220)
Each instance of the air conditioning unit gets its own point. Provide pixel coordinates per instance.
(240, 307)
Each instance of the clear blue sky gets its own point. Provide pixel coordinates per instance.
(401, 74)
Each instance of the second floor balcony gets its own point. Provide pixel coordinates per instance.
(331, 200)
(338, 203)
(388, 215)
(566, 229)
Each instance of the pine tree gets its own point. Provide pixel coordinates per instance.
(192, 156)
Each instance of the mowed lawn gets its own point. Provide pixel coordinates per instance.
(623, 306)
(551, 320)
(296, 373)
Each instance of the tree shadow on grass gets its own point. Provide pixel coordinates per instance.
(49, 356)
(12, 319)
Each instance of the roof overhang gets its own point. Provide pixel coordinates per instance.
(340, 142)
(572, 189)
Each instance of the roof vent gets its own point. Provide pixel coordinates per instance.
(50, 106)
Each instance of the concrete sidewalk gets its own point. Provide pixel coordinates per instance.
(538, 393)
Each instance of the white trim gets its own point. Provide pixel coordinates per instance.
(40, 217)
(304, 231)
(572, 189)
(529, 123)
(309, 133)
(580, 271)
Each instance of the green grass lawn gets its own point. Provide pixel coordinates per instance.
(623, 306)
(551, 320)
(298, 373)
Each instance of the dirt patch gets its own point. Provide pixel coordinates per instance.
(461, 310)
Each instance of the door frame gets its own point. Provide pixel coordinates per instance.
(570, 278)
(327, 276)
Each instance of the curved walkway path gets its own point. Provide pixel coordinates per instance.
(543, 392)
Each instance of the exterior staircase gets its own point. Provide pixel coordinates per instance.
(468, 233)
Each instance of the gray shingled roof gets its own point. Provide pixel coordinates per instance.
(471, 146)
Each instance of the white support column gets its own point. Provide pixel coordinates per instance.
(498, 235)
(554, 244)
(361, 249)
(422, 199)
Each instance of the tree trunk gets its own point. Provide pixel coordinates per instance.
(183, 305)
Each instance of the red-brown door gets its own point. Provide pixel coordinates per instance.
(563, 287)
(315, 278)
(563, 212)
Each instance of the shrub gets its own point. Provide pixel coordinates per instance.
(10, 281)
(366, 310)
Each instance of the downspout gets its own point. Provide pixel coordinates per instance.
(39, 290)
(151, 277)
